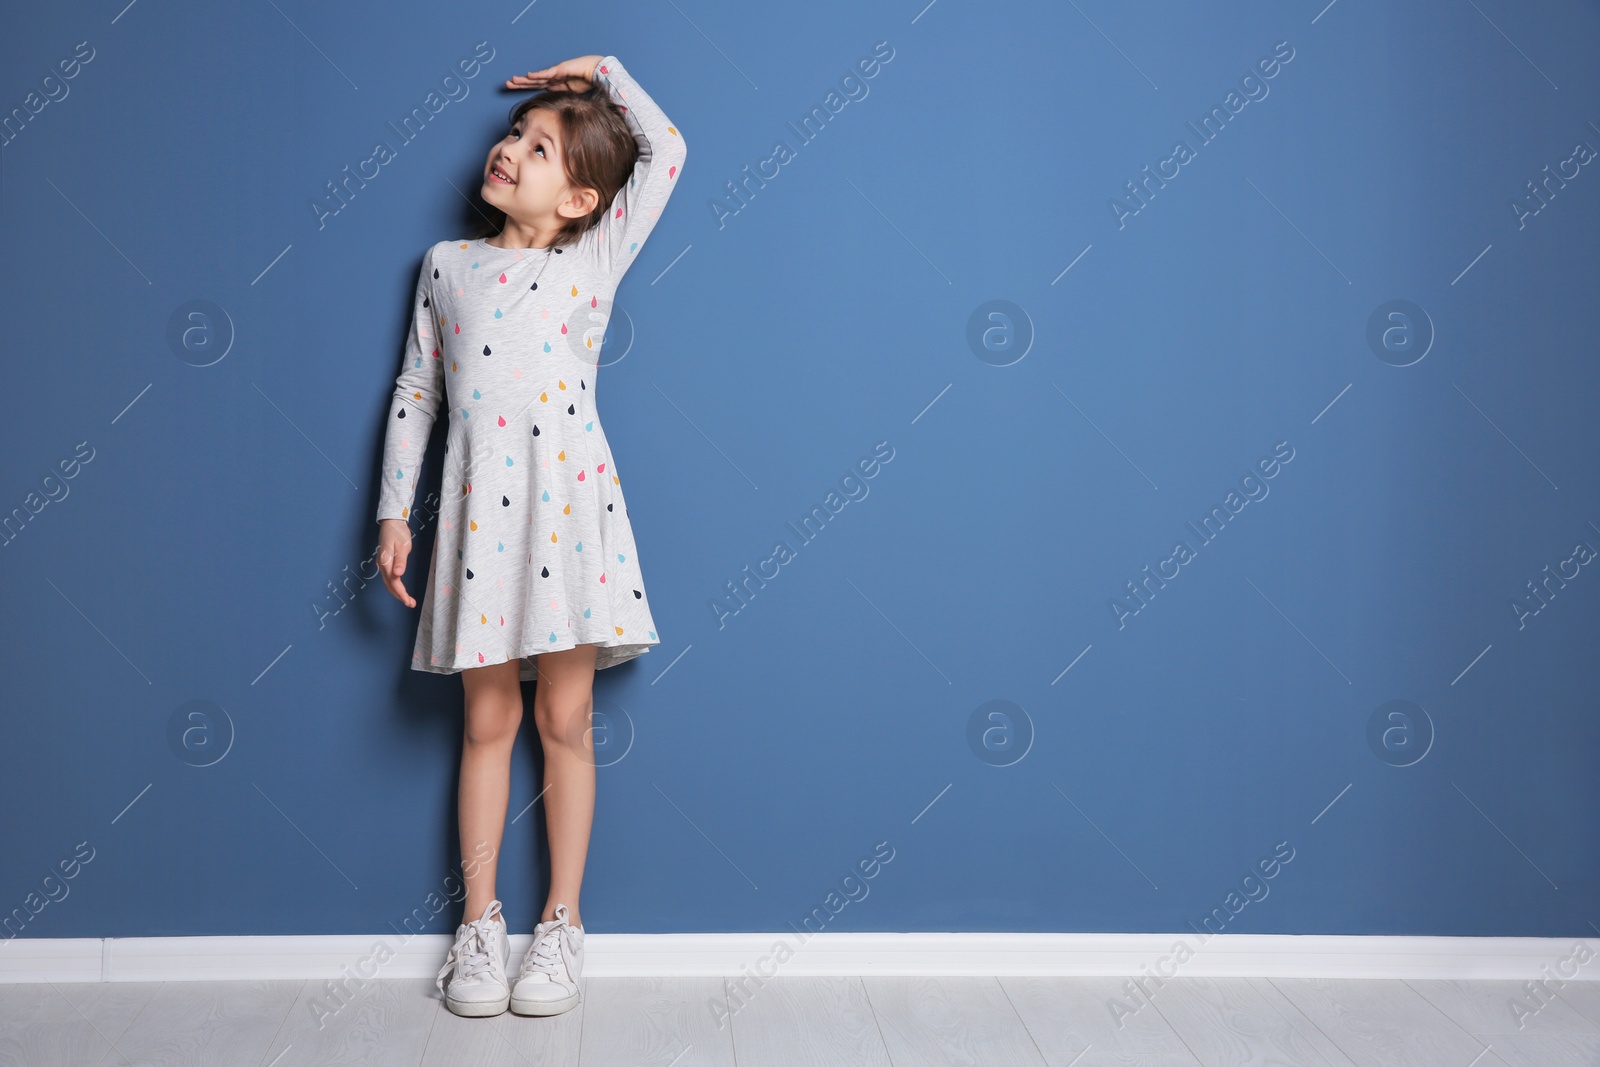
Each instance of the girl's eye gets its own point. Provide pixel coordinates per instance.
(517, 133)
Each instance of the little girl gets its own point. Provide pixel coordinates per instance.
(534, 570)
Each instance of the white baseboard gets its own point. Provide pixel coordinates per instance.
(759, 956)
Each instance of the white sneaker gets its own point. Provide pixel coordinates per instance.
(479, 959)
(547, 983)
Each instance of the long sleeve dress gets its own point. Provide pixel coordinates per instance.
(534, 551)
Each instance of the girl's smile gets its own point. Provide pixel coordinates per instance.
(524, 176)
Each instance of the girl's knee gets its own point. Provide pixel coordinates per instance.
(493, 703)
(493, 725)
(562, 716)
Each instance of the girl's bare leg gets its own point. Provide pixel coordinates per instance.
(563, 700)
(493, 713)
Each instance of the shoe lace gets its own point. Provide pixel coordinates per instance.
(469, 955)
(474, 957)
(546, 956)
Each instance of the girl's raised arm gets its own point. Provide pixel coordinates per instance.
(638, 204)
(419, 390)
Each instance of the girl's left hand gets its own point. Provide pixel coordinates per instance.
(574, 74)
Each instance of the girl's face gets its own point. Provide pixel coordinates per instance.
(537, 195)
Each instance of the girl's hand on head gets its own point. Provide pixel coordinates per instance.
(394, 545)
(576, 75)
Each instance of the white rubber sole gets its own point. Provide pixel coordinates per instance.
(545, 1007)
(477, 1009)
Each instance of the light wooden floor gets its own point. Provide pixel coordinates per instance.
(814, 1022)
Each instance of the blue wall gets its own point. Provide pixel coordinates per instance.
(1345, 320)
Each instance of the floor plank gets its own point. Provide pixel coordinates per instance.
(1229, 1022)
(204, 1024)
(108, 1006)
(1503, 1008)
(1309, 1030)
(380, 1024)
(69, 1022)
(805, 1022)
(657, 1022)
(1384, 1023)
(1093, 1022)
(1546, 1050)
(950, 1022)
(1584, 997)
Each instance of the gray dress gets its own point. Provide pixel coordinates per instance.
(534, 552)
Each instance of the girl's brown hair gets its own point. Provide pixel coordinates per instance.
(597, 149)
